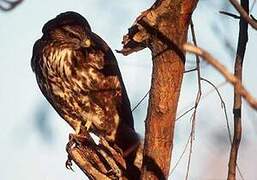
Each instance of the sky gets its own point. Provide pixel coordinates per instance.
(33, 136)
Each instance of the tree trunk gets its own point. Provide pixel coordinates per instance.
(162, 28)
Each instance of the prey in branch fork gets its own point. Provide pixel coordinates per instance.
(78, 74)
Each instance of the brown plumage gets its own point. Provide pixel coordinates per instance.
(79, 75)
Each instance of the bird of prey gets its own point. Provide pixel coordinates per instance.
(78, 74)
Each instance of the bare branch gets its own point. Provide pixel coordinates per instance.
(243, 13)
(253, 18)
(100, 161)
(9, 5)
(197, 100)
(78, 155)
(237, 109)
(229, 14)
(224, 71)
(223, 105)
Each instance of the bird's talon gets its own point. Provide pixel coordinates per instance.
(71, 143)
(68, 163)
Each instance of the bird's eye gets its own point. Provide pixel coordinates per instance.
(72, 35)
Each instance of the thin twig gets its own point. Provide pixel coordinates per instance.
(185, 113)
(224, 71)
(191, 142)
(223, 105)
(204, 95)
(197, 100)
(189, 139)
(253, 18)
(141, 100)
(181, 156)
(229, 14)
(191, 106)
(243, 13)
(190, 70)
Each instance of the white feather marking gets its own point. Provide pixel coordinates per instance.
(59, 59)
(95, 138)
(67, 70)
(62, 54)
(57, 91)
(53, 57)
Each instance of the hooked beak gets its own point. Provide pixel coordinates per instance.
(86, 43)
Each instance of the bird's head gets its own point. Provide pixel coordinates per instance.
(69, 27)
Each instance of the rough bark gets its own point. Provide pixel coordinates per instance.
(162, 28)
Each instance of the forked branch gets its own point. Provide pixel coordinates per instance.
(244, 13)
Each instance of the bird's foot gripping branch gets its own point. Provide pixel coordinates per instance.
(78, 74)
(98, 161)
